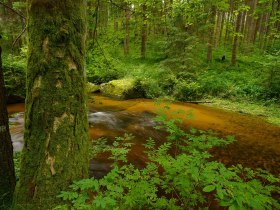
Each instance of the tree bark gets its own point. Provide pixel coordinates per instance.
(7, 172)
(56, 128)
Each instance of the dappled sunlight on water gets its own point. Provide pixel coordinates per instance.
(257, 145)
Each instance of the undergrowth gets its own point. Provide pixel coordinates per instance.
(177, 175)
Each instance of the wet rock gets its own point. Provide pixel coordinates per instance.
(122, 89)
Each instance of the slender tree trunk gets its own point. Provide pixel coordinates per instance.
(242, 27)
(144, 32)
(211, 34)
(228, 28)
(56, 128)
(260, 29)
(263, 30)
(256, 29)
(235, 40)
(250, 24)
(127, 32)
(230, 17)
(7, 173)
(266, 32)
(218, 28)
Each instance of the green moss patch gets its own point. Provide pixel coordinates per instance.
(122, 89)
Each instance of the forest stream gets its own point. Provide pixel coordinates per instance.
(257, 142)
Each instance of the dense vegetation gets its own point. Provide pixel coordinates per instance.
(223, 51)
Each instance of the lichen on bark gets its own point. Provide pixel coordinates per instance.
(56, 128)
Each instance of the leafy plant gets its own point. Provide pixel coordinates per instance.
(178, 175)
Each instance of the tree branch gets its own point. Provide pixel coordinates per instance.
(10, 8)
(19, 36)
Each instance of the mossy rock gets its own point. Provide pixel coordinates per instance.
(122, 89)
(92, 88)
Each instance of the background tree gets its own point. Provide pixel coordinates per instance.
(7, 173)
(56, 127)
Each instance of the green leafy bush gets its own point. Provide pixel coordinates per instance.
(187, 91)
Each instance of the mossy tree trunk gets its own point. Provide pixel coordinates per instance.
(56, 127)
(7, 173)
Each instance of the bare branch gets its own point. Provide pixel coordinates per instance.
(13, 10)
(22, 32)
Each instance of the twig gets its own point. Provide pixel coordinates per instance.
(22, 32)
(10, 8)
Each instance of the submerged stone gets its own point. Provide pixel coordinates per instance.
(122, 89)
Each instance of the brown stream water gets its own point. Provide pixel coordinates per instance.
(257, 142)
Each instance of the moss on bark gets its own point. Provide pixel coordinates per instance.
(56, 127)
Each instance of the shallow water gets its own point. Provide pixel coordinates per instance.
(257, 145)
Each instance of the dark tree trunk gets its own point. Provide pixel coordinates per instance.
(7, 173)
(56, 128)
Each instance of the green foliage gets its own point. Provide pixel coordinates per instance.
(178, 175)
(100, 66)
(15, 73)
(188, 91)
(271, 80)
